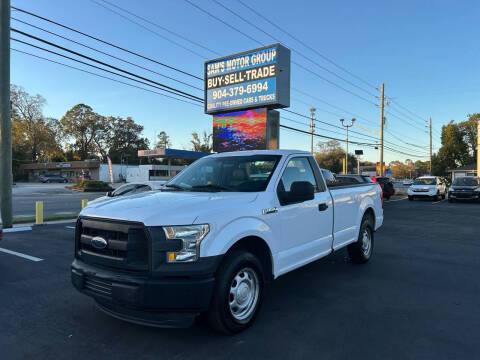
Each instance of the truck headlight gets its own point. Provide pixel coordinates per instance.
(191, 237)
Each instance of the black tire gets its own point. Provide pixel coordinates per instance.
(220, 314)
(410, 198)
(357, 252)
(48, 181)
(435, 197)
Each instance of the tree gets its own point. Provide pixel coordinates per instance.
(163, 140)
(454, 151)
(85, 127)
(204, 145)
(34, 137)
(469, 130)
(329, 156)
(125, 139)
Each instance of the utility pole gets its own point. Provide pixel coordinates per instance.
(430, 125)
(381, 130)
(346, 153)
(6, 178)
(312, 127)
(478, 148)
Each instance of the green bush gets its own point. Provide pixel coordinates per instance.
(93, 185)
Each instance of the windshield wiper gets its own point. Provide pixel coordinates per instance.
(175, 186)
(212, 187)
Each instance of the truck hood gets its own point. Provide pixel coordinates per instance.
(166, 207)
(457, 187)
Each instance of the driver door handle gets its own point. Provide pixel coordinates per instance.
(322, 207)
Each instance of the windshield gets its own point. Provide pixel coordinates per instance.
(466, 181)
(430, 181)
(232, 173)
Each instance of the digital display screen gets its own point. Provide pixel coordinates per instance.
(248, 80)
(241, 130)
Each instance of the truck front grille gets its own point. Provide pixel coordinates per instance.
(98, 286)
(120, 245)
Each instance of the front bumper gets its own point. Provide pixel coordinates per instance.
(430, 193)
(169, 301)
(464, 195)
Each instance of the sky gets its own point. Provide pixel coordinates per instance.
(425, 52)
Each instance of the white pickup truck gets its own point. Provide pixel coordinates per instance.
(210, 239)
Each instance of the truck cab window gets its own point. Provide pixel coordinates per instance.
(298, 169)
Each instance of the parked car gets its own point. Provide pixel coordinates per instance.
(407, 182)
(464, 188)
(129, 189)
(50, 178)
(209, 240)
(386, 184)
(427, 187)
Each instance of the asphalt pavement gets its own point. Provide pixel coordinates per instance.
(56, 199)
(418, 298)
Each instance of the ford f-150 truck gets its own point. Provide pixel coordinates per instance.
(215, 234)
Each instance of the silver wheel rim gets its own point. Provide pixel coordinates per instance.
(366, 243)
(243, 294)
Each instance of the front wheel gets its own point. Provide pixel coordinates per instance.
(410, 198)
(238, 293)
(361, 251)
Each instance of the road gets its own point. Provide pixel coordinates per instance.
(56, 199)
(416, 299)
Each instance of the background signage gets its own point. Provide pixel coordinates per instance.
(252, 79)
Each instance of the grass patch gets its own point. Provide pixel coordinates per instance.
(27, 220)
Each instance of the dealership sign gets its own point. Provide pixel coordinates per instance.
(252, 79)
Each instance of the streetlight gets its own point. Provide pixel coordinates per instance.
(346, 153)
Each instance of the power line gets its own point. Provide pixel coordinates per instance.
(323, 129)
(161, 27)
(329, 104)
(405, 115)
(307, 46)
(236, 14)
(325, 137)
(104, 77)
(99, 68)
(331, 82)
(107, 43)
(223, 22)
(293, 62)
(150, 30)
(335, 126)
(106, 54)
(404, 120)
(411, 112)
(171, 89)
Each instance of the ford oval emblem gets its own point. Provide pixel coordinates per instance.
(99, 243)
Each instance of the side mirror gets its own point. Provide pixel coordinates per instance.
(109, 194)
(300, 191)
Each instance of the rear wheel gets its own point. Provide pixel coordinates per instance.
(361, 251)
(238, 293)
